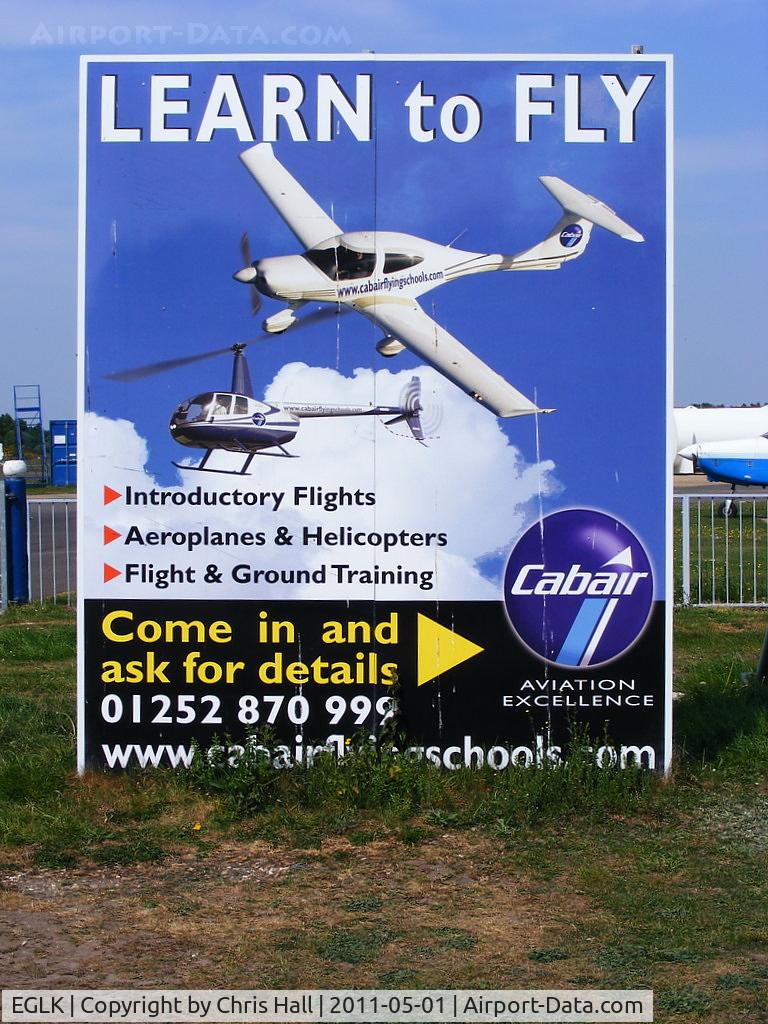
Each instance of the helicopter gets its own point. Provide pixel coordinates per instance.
(381, 274)
(236, 421)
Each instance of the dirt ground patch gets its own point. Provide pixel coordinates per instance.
(255, 915)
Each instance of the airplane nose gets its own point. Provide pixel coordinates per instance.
(261, 283)
(246, 276)
(254, 275)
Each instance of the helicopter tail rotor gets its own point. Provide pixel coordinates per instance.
(411, 409)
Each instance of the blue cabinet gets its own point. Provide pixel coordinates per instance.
(63, 452)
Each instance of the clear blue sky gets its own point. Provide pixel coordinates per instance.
(721, 135)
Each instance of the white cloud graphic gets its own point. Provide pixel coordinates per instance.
(469, 483)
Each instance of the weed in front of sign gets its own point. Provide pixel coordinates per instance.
(379, 778)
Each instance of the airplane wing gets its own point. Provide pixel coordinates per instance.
(408, 322)
(304, 217)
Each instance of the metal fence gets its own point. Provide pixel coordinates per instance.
(3, 553)
(721, 549)
(719, 558)
(52, 549)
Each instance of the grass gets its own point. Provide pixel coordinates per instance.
(729, 556)
(48, 490)
(401, 875)
(716, 651)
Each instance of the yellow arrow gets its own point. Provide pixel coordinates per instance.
(440, 649)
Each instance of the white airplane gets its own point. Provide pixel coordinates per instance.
(743, 461)
(382, 273)
(740, 461)
(695, 426)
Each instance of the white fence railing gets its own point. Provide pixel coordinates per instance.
(721, 549)
(719, 558)
(52, 539)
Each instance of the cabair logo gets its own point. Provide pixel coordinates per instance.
(578, 588)
(571, 235)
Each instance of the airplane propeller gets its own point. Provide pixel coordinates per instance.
(245, 252)
(150, 369)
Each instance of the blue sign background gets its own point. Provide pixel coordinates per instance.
(163, 222)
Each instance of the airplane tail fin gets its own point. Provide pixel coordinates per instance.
(570, 236)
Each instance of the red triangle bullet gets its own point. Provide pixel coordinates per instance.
(110, 572)
(110, 494)
(110, 535)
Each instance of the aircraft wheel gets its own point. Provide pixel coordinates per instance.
(726, 509)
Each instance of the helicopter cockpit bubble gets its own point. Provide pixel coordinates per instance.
(194, 409)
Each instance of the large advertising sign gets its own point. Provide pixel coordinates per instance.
(350, 459)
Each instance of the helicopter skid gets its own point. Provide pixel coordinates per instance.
(207, 469)
(282, 454)
(202, 468)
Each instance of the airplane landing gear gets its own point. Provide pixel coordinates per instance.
(283, 319)
(279, 322)
(726, 509)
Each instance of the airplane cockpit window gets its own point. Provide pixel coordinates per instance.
(394, 261)
(323, 259)
(354, 264)
(241, 406)
(197, 408)
(341, 263)
(222, 405)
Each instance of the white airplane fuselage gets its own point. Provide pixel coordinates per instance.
(363, 266)
(694, 426)
(741, 461)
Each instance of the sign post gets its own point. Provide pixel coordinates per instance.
(348, 458)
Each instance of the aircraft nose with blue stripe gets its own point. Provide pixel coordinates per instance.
(743, 461)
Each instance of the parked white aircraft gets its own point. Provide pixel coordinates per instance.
(382, 273)
(694, 426)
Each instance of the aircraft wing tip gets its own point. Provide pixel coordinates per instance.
(517, 411)
(260, 149)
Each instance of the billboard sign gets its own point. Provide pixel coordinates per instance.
(336, 470)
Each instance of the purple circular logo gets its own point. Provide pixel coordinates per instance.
(578, 588)
(571, 235)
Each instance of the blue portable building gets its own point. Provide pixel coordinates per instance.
(63, 452)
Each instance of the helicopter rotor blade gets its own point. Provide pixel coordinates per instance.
(150, 369)
(245, 252)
